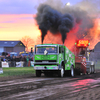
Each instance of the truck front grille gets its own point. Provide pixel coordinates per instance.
(45, 57)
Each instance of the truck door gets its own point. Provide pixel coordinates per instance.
(61, 51)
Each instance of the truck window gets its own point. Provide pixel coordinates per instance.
(61, 50)
(47, 48)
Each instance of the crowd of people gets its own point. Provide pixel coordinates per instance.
(12, 60)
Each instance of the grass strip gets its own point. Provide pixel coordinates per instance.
(17, 71)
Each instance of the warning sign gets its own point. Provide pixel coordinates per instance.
(1, 71)
(5, 64)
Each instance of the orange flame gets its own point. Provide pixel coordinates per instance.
(94, 34)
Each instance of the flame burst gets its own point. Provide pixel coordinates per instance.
(94, 34)
(84, 24)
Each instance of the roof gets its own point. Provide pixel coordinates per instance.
(97, 47)
(9, 43)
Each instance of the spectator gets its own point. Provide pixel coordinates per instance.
(0, 62)
(13, 61)
(8, 59)
(27, 60)
(4, 59)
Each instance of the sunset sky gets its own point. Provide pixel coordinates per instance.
(16, 18)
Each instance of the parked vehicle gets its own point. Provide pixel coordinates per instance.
(13, 54)
(24, 54)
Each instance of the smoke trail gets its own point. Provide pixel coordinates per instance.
(52, 16)
(50, 19)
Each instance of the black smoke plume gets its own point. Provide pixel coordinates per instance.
(54, 21)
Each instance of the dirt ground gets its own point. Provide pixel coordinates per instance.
(84, 87)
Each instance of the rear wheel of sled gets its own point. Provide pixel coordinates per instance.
(93, 69)
(90, 70)
(38, 73)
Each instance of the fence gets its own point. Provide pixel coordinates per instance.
(16, 64)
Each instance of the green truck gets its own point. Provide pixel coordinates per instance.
(53, 59)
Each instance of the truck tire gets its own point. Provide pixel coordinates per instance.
(61, 73)
(38, 73)
(89, 70)
(72, 73)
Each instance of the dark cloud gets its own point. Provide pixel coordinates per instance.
(56, 17)
(61, 19)
(54, 21)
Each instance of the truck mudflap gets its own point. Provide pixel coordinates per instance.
(46, 67)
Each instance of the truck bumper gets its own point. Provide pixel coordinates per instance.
(46, 67)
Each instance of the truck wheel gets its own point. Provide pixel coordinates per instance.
(72, 72)
(38, 73)
(61, 73)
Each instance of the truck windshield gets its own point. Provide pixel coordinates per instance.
(49, 50)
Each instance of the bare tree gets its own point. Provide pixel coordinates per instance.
(38, 40)
(28, 42)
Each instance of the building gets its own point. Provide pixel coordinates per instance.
(97, 47)
(96, 54)
(97, 51)
(11, 46)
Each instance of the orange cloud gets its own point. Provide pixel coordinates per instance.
(16, 26)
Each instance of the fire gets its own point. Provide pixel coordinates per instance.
(94, 34)
(57, 38)
(51, 38)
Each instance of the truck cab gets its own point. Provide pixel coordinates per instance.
(52, 59)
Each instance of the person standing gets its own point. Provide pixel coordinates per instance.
(1, 70)
(27, 59)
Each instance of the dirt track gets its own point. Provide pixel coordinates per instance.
(85, 87)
